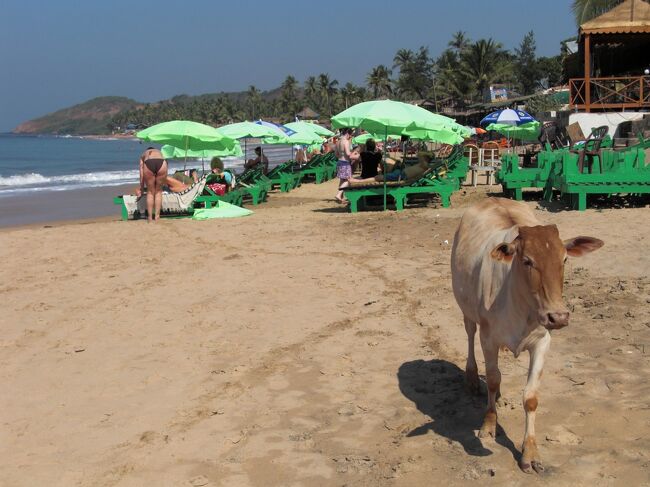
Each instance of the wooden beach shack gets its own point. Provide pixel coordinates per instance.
(615, 53)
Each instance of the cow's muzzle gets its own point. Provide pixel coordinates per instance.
(556, 320)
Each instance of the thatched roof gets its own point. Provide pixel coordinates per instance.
(307, 113)
(631, 16)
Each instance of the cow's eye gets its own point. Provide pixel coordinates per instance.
(527, 261)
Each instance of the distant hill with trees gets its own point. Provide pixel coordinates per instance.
(90, 117)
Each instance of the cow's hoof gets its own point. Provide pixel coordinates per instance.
(489, 428)
(532, 466)
(487, 432)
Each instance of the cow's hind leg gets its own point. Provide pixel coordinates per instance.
(471, 369)
(530, 459)
(493, 376)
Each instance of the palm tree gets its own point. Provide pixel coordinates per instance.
(349, 93)
(311, 91)
(403, 58)
(327, 89)
(289, 95)
(379, 81)
(254, 97)
(459, 42)
(585, 10)
(482, 62)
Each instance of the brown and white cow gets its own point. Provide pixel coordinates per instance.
(507, 274)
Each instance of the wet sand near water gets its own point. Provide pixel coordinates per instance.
(42, 206)
(305, 346)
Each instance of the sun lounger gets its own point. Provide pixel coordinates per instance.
(254, 184)
(284, 177)
(173, 204)
(442, 178)
(319, 168)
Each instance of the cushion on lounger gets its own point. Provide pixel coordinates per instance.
(172, 203)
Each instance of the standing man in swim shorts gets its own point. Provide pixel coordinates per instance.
(153, 173)
(345, 158)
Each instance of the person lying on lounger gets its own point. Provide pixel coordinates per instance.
(399, 173)
(171, 184)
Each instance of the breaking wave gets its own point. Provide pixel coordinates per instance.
(36, 179)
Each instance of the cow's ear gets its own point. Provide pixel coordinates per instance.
(580, 246)
(504, 251)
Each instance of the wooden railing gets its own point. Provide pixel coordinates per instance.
(609, 93)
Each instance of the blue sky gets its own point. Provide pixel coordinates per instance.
(54, 54)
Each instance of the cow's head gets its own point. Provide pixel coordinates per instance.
(538, 256)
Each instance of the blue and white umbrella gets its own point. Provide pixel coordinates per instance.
(276, 126)
(508, 116)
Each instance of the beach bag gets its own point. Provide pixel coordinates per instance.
(218, 188)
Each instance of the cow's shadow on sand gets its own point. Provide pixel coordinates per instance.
(437, 387)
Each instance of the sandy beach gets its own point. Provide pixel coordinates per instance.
(305, 346)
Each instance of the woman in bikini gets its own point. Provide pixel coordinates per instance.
(153, 173)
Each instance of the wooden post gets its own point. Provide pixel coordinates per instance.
(587, 73)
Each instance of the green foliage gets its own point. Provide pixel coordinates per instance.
(415, 73)
(379, 81)
(550, 70)
(526, 66)
(485, 63)
(543, 103)
(90, 117)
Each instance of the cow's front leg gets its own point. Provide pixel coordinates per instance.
(471, 369)
(493, 376)
(530, 460)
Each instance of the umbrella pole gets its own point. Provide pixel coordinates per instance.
(187, 142)
(385, 142)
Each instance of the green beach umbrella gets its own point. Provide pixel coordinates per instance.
(363, 138)
(392, 117)
(528, 131)
(314, 127)
(304, 136)
(246, 130)
(171, 152)
(443, 135)
(187, 135)
(251, 130)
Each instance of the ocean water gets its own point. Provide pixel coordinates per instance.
(46, 178)
(48, 163)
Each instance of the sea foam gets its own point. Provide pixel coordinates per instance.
(36, 179)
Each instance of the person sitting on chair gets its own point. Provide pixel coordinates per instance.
(260, 159)
(370, 160)
(223, 176)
